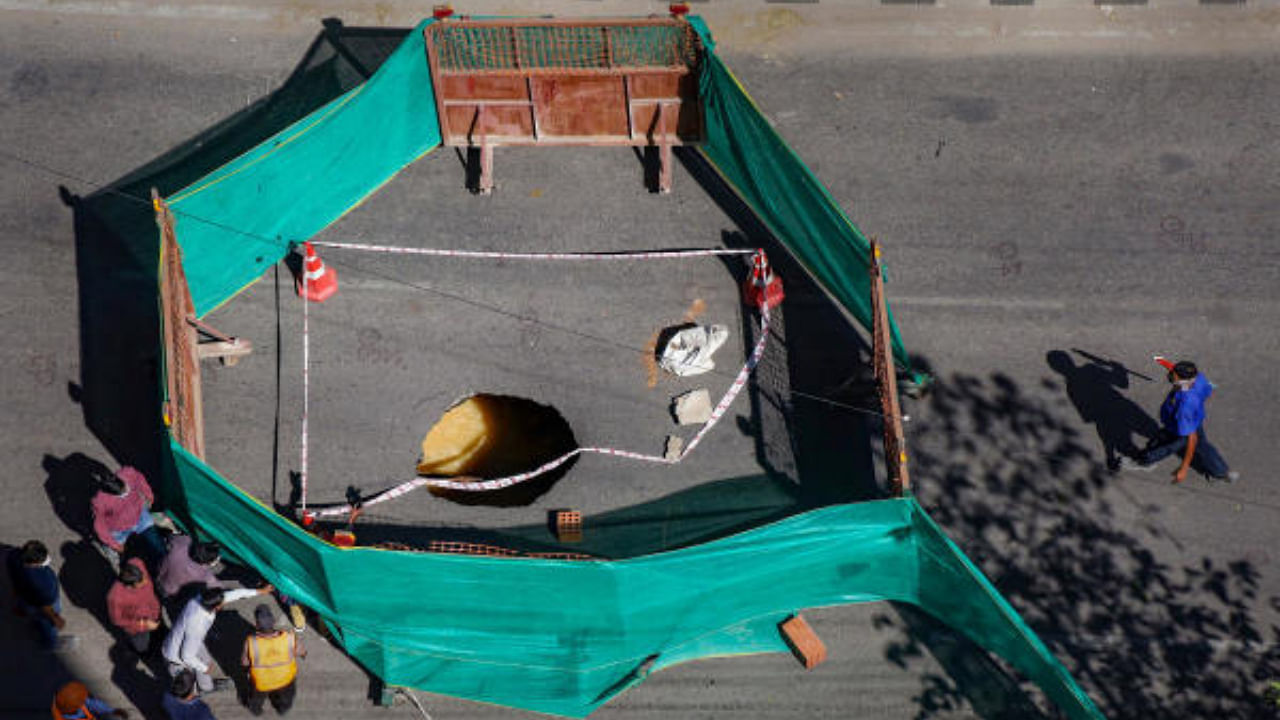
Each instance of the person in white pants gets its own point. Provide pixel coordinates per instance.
(184, 647)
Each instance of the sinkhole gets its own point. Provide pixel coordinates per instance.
(484, 437)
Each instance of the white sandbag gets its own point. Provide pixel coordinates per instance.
(689, 351)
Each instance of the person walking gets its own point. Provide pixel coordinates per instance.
(132, 605)
(73, 702)
(184, 647)
(182, 702)
(122, 509)
(1182, 428)
(271, 655)
(37, 594)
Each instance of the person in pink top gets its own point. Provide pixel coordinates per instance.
(133, 606)
(122, 508)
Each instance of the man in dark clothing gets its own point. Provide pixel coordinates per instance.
(1182, 429)
(35, 588)
(182, 702)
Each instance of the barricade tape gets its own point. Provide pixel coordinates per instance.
(495, 255)
(505, 482)
(306, 385)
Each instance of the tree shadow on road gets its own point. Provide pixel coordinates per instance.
(1006, 472)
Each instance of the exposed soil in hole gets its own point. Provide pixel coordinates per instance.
(492, 436)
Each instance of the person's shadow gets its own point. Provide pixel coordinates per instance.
(1093, 387)
(71, 485)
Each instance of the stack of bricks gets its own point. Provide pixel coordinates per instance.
(568, 525)
(803, 641)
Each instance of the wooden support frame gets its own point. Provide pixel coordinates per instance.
(225, 348)
(184, 404)
(895, 444)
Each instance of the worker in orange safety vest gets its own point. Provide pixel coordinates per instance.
(271, 655)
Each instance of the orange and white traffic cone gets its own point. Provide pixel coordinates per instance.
(762, 288)
(1163, 362)
(321, 282)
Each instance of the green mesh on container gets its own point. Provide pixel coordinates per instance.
(533, 47)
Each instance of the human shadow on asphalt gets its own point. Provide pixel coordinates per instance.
(71, 484)
(1006, 472)
(1093, 388)
(225, 643)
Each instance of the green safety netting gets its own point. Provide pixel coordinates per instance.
(784, 193)
(564, 637)
(560, 636)
(239, 220)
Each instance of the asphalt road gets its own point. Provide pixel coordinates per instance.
(1113, 198)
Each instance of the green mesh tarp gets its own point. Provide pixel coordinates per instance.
(784, 193)
(564, 637)
(239, 220)
(557, 636)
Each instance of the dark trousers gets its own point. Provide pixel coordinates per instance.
(281, 699)
(1207, 458)
(140, 642)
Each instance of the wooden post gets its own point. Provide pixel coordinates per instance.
(895, 443)
(485, 183)
(184, 411)
(664, 150)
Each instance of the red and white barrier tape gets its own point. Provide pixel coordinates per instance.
(494, 255)
(505, 482)
(306, 385)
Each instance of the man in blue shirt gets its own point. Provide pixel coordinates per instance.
(35, 587)
(182, 702)
(1182, 429)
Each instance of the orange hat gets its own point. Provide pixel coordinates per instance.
(71, 697)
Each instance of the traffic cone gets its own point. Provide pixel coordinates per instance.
(322, 283)
(763, 288)
(1162, 362)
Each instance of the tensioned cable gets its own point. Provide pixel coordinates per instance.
(275, 243)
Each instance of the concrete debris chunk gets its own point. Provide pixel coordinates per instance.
(675, 446)
(693, 407)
